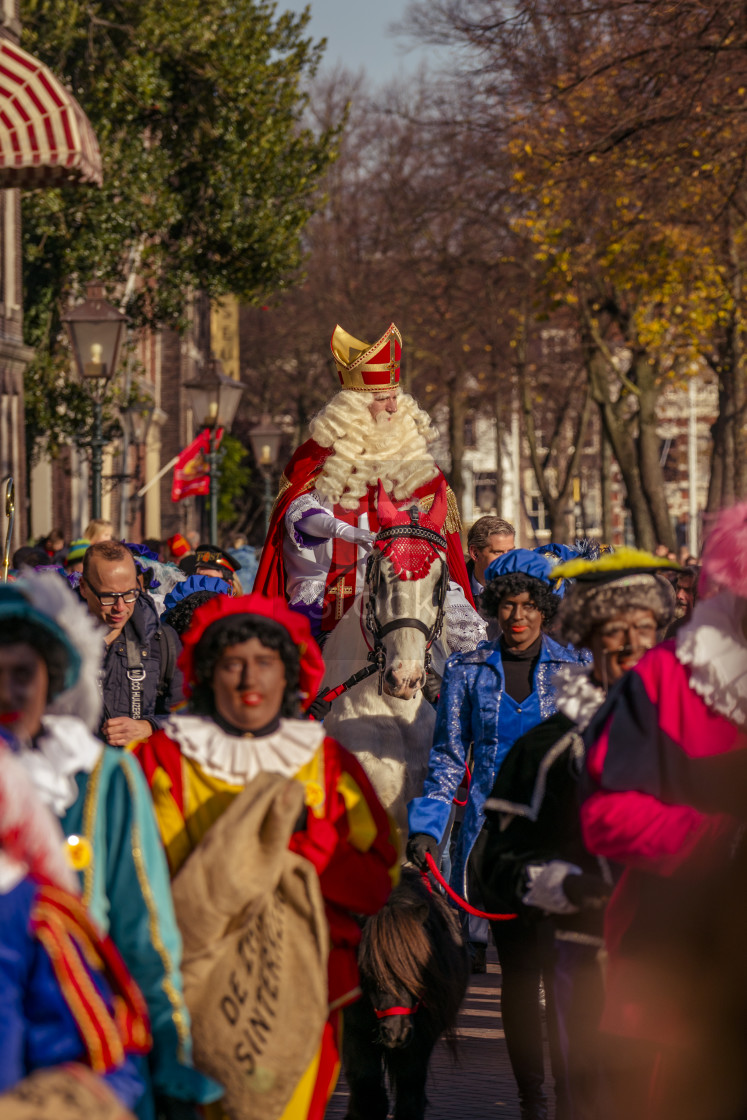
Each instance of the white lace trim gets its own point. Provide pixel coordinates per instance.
(576, 695)
(713, 645)
(312, 591)
(464, 628)
(65, 748)
(236, 759)
(303, 504)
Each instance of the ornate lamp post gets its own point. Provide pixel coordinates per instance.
(96, 332)
(265, 438)
(214, 399)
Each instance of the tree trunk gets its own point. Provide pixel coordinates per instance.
(737, 381)
(649, 458)
(621, 441)
(498, 414)
(718, 435)
(606, 485)
(559, 522)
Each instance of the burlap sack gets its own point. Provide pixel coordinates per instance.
(255, 950)
(62, 1093)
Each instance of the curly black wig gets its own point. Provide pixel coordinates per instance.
(180, 615)
(231, 631)
(52, 652)
(515, 583)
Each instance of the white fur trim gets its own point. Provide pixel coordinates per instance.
(713, 645)
(51, 595)
(236, 759)
(65, 748)
(576, 695)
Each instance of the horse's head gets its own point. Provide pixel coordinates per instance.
(407, 578)
(394, 956)
(395, 1018)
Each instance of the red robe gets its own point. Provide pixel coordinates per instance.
(298, 478)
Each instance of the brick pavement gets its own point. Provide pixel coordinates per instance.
(480, 1086)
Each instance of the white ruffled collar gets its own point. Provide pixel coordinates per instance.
(576, 694)
(236, 759)
(65, 748)
(713, 645)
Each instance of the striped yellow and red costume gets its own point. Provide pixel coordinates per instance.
(346, 835)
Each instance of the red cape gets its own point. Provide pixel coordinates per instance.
(300, 476)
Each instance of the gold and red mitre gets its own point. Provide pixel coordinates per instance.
(365, 366)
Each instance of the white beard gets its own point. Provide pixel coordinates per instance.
(392, 447)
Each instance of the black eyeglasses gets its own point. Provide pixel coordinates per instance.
(109, 598)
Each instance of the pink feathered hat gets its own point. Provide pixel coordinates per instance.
(725, 551)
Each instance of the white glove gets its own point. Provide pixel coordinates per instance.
(324, 525)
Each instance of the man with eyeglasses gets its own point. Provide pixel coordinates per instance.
(141, 682)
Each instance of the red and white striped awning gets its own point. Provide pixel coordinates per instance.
(45, 137)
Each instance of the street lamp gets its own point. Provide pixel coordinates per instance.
(96, 332)
(265, 439)
(136, 420)
(214, 399)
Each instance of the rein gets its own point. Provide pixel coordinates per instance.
(466, 782)
(461, 902)
(386, 1012)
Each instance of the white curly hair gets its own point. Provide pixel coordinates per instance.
(392, 447)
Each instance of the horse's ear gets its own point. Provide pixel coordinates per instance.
(438, 510)
(385, 507)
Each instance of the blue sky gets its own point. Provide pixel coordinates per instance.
(357, 35)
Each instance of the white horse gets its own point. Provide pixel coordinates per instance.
(385, 720)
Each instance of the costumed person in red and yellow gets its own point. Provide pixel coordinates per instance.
(325, 520)
(250, 664)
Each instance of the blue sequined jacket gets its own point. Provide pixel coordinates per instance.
(473, 709)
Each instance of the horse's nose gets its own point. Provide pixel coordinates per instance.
(396, 1032)
(404, 681)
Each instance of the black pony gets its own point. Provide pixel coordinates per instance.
(414, 973)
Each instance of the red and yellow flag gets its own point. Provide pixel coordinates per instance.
(192, 470)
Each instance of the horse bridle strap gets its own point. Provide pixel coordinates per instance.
(394, 532)
(406, 624)
(386, 1012)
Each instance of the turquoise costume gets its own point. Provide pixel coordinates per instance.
(127, 890)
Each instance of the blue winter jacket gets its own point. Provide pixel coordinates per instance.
(473, 709)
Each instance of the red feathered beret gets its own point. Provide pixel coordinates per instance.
(311, 666)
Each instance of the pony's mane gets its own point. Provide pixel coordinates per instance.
(401, 950)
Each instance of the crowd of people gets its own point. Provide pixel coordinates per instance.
(159, 721)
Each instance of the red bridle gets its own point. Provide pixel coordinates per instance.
(387, 1011)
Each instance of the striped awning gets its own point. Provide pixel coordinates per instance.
(45, 137)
